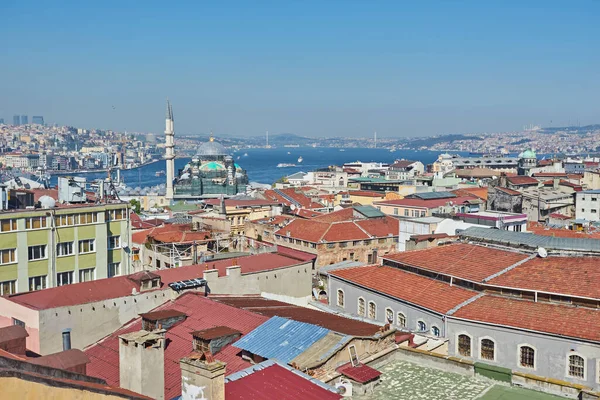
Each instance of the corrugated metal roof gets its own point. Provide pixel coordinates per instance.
(369, 211)
(532, 241)
(321, 350)
(343, 264)
(281, 338)
(434, 195)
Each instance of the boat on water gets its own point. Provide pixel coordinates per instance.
(159, 173)
(289, 152)
(285, 165)
(342, 150)
(245, 154)
(300, 159)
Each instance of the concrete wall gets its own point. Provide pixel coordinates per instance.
(293, 281)
(588, 206)
(15, 388)
(551, 357)
(92, 321)
(412, 313)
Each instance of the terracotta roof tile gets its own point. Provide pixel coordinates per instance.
(461, 260)
(360, 373)
(576, 322)
(522, 180)
(425, 292)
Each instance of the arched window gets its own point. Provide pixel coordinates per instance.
(401, 320)
(389, 315)
(421, 326)
(527, 357)
(340, 298)
(576, 366)
(435, 330)
(464, 345)
(372, 310)
(487, 349)
(361, 306)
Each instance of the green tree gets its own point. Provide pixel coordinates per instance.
(136, 205)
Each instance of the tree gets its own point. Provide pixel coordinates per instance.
(136, 205)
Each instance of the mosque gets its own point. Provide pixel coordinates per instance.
(211, 173)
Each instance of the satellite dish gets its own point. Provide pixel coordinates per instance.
(542, 252)
(293, 207)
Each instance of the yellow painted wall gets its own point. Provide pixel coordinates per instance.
(64, 264)
(8, 272)
(15, 388)
(86, 232)
(37, 268)
(8, 240)
(87, 260)
(65, 234)
(37, 237)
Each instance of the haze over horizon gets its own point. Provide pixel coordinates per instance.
(312, 68)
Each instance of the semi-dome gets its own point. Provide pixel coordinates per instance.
(211, 148)
(212, 166)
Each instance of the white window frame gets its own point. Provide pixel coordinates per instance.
(458, 334)
(30, 220)
(495, 348)
(424, 324)
(93, 273)
(398, 320)
(65, 255)
(13, 225)
(44, 246)
(374, 317)
(60, 274)
(115, 247)
(45, 282)
(364, 314)
(92, 241)
(14, 251)
(337, 298)
(14, 281)
(567, 364)
(535, 354)
(387, 320)
(108, 269)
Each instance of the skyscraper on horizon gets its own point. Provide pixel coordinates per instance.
(16, 120)
(1, 121)
(37, 119)
(24, 120)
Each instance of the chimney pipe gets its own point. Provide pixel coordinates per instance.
(66, 337)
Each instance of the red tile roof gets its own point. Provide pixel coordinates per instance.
(170, 233)
(346, 214)
(215, 332)
(541, 229)
(300, 198)
(380, 227)
(508, 191)
(276, 382)
(360, 373)
(521, 180)
(241, 203)
(401, 164)
(271, 308)
(121, 286)
(459, 260)
(344, 231)
(430, 203)
(550, 174)
(576, 322)
(203, 313)
(304, 213)
(138, 223)
(482, 192)
(577, 276)
(425, 292)
(365, 193)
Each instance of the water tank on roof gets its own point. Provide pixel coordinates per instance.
(47, 202)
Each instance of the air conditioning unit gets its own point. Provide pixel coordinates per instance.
(344, 388)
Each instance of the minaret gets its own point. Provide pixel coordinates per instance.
(170, 150)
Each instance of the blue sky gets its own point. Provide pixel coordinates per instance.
(316, 68)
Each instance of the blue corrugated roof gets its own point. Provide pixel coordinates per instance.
(281, 338)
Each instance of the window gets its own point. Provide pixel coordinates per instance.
(340, 298)
(87, 274)
(361, 307)
(114, 269)
(64, 249)
(18, 322)
(518, 228)
(64, 278)
(372, 310)
(8, 256)
(7, 225)
(8, 287)
(37, 283)
(87, 246)
(487, 349)
(527, 357)
(37, 252)
(370, 258)
(421, 326)
(389, 315)
(35, 223)
(395, 211)
(406, 213)
(464, 345)
(594, 211)
(435, 331)
(576, 366)
(88, 218)
(114, 242)
(423, 213)
(65, 220)
(330, 245)
(401, 321)
(115, 215)
(356, 243)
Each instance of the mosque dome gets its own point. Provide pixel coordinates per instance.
(528, 154)
(211, 148)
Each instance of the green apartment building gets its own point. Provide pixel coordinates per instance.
(42, 248)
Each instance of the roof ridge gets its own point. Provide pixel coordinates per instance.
(362, 229)
(510, 267)
(464, 303)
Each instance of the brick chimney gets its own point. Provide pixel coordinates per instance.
(202, 377)
(142, 363)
